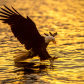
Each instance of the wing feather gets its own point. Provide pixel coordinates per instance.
(15, 10)
(9, 9)
(3, 16)
(6, 11)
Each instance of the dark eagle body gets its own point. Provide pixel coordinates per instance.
(24, 29)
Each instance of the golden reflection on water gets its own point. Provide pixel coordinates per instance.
(62, 16)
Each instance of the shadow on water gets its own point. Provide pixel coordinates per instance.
(29, 68)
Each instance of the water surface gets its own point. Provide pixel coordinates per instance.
(63, 16)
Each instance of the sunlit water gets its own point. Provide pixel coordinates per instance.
(63, 16)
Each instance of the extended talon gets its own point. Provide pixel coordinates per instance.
(52, 59)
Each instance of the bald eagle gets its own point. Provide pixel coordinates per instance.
(24, 29)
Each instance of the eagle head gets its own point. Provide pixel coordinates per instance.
(49, 38)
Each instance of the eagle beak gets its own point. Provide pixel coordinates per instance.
(54, 42)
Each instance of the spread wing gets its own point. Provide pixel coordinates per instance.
(24, 29)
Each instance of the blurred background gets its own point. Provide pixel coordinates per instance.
(63, 16)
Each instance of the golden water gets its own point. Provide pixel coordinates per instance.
(63, 16)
